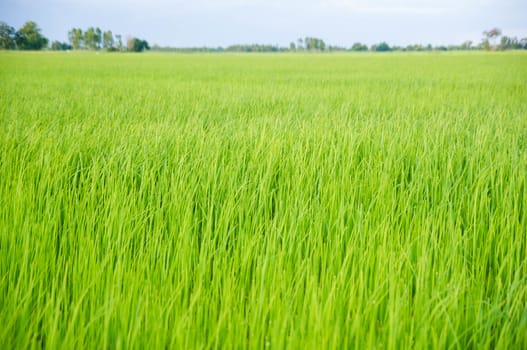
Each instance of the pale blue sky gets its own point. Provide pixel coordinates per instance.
(224, 22)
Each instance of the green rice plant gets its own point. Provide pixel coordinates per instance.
(263, 201)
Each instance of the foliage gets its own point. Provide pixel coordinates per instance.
(314, 44)
(29, 37)
(490, 36)
(108, 40)
(512, 43)
(96, 39)
(137, 45)
(359, 47)
(58, 46)
(263, 201)
(381, 47)
(254, 48)
(92, 38)
(76, 38)
(7, 37)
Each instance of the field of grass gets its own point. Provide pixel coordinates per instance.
(263, 201)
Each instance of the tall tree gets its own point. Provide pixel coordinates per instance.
(29, 37)
(300, 45)
(98, 38)
(314, 44)
(119, 38)
(491, 36)
(321, 45)
(7, 36)
(90, 38)
(108, 40)
(76, 38)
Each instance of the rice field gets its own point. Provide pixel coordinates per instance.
(291, 201)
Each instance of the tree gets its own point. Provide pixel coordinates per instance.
(310, 43)
(7, 36)
(314, 44)
(359, 47)
(76, 38)
(485, 44)
(137, 45)
(491, 36)
(29, 37)
(108, 40)
(98, 38)
(58, 46)
(300, 45)
(90, 38)
(382, 47)
(466, 45)
(119, 42)
(292, 46)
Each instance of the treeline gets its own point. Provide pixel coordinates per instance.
(29, 37)
(97, 39)
(492, 41)
(231, 48)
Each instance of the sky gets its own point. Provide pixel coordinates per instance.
(184, 23)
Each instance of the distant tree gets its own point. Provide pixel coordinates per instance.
(29, 37)
(491, 36)
(506, 43)
(414, 47)
(359, 47)
(314, 44)
(292, 46)
(512, 43)
(485, 44)
(382, 47)
(309, 43)
(467, 45)
(251, 48)
(137, 45)
(76, 38)
(332, 48)
(90, 38)
(300, 45)
(7, 36)
(55, 45)
(58, 46)
(98, 38)
(108, 40)
(119, 42)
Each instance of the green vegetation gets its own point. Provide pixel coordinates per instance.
(94, 38)
(263, 201)
(28, 37)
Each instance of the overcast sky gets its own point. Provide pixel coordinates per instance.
(224, 22)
